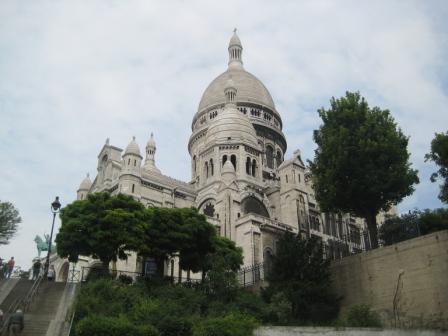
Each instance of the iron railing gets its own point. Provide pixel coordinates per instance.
(21, 303)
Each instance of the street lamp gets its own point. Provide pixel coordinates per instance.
(55, 206)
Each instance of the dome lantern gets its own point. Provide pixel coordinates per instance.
(235, 51)
(230, 92)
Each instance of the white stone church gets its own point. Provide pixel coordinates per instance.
(240, 178)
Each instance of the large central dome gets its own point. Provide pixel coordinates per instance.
(250, 88)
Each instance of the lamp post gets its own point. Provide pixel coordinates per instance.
(55, 206)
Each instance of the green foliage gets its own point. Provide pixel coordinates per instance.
(9, 220)
(301, 277)
(399, 228)
(439, 155)
(102, 225)
(98, 325)
(361, 164)
(361, 316)
(433, 220)
(233, 324)
(410, 225)
(177, 231)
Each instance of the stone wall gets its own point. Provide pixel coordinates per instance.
(406, 283)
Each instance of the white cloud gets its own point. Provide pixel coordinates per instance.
(75, 73)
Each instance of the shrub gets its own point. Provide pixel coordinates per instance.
(97, 325)
(125, 279)
(232, 324)
(362, 316)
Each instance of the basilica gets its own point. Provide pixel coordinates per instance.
(240, 178)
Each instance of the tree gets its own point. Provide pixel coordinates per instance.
(439, 155)
(102, 225)
(170, 232)
(399, 228)
(301, 277)
(361, 165)
(9, 220)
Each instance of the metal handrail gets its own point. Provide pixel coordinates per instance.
(22, 303)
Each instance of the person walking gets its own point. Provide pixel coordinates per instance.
(2, 274)
(16, 323)
(36, 269)
(11, 263)
(51, 273)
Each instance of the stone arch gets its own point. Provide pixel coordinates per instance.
(233, 160)
(278, 158)
(63, 272)
(268, 259)
(252, 204)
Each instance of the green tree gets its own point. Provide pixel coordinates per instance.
(177, 232)
(439, 155)
(433, 220)
(9, 220)
(102, 225)
(399, 228)
(361, 165)
(301, 276)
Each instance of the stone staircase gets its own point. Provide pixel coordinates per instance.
(43, 309)
(20, 289)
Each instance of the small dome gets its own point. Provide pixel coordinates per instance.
(235, 40)
(132, 148)
(86, 183)
(228, 168)
(232, 126)
(151, 141)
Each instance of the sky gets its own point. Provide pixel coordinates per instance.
(73, 73)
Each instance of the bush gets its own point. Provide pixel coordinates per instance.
(362, 316)
(97, 325)
(233, 324)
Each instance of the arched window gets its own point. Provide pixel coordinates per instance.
(233, 160)
(248, 168)
(133, 188)
(224, 159)
(206, 169)
(269, 156)
(254, 168)
(135, 163)
(278, 158)
(253, 205)
(286, 178)
(129, 162)
(211, 167)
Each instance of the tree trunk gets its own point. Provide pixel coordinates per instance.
(373, 230)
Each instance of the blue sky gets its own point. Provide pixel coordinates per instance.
(73, 73)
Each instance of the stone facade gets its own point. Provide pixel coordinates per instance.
(240, 179)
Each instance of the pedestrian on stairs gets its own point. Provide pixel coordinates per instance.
(11, 263)
(36, 269)
(16, 323)
(51, 273)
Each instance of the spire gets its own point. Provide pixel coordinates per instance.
(230, 92)
(235, 51)
(150, 161)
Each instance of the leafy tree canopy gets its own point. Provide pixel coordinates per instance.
(301, 277)
(439, 155)
(177, 231)
(9, 220)
(415, 223)
(102, 225)
(361, 165)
